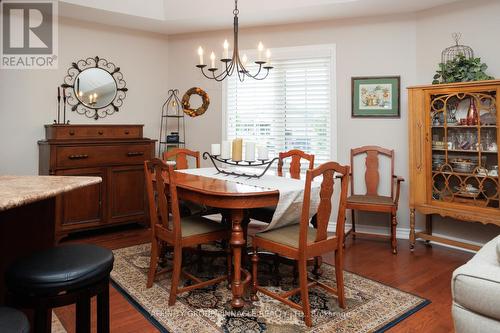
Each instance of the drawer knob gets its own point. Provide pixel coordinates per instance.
(127, 132)
(100, 132)
(72, 132)
(78, 157)
(135, 153)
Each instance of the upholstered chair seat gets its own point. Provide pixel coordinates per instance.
(289, 235)
(371, 199)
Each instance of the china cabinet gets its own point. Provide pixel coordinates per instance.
(453, 136)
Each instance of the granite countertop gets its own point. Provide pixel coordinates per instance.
(16, 191)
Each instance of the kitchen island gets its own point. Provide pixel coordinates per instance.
(27, 206)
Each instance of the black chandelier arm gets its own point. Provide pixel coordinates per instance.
(263, 77)
(201, 67)
(256, 74)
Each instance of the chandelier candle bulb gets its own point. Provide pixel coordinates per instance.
(268, 57)
(215, 149)
(237, 150)
(200, 54)
(262, 153)
(260, 48)
(226, 150)
(250, 151)
(212, 60)
(226, 50)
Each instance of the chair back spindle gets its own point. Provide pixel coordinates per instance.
(181, 155)
(328, 171)
(158, 173)
(372, 175)
(296, 156)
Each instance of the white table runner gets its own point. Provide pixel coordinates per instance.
(291, 193)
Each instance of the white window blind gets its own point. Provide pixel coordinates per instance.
(290, 109)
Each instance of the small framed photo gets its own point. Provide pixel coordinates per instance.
(375, 97)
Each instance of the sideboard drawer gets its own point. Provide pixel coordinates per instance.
(85, 156)
(73, 132)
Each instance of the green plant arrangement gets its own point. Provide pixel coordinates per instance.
(461, 69)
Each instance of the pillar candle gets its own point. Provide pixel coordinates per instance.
(237, 149)
(215, 149)
(262, 153)
(226, 150)
(250, 151)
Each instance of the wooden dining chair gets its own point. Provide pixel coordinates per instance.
(301, 242)
(371, 201)
(265, 214)
(173, 230)
(180, 156)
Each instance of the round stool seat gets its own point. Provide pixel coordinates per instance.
(13, 321)
(61, 268)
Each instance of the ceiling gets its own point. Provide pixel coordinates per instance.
(183, 16)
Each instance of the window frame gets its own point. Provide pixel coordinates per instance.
(285, 53)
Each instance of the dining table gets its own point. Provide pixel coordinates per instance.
(234, 199)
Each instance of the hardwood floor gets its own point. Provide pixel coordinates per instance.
(425, 272)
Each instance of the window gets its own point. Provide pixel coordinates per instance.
(291, 109)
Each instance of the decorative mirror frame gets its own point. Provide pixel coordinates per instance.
(90, 112)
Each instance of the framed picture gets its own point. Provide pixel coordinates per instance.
(375, 97)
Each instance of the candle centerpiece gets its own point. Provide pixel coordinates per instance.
(223, 154)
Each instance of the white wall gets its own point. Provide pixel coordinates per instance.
(477, 20)
(28, 97)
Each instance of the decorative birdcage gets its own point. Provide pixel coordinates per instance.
(450, 53)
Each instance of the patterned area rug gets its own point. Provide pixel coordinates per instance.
(371, 306)
(57, 326)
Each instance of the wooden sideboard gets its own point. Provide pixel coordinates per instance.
(113, 152)
(454, 140)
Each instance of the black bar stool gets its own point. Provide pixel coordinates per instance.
(13, 321)
(60, 276)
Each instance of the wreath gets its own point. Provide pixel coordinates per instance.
(187, 107)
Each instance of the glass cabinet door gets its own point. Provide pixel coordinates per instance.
(464, 130)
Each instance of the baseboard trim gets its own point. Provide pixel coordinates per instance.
(404, 233)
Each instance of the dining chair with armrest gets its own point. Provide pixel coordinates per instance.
(301, 242)
(174, 230)
(371, 201)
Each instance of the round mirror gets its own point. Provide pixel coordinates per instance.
(95, 88)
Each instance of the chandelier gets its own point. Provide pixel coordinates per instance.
(235, 63)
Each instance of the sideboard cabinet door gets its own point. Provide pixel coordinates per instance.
(82, 207)
(126, 188)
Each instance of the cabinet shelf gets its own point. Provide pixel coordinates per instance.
(462, 174)
(464, 126)
(171, 143)
(465, 151)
